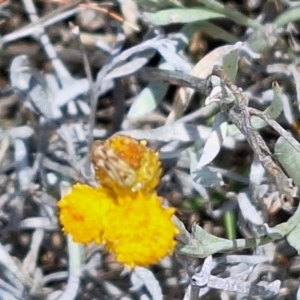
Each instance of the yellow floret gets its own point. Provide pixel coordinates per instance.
(82, 212)
(141, 231)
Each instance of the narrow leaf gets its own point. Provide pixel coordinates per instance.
(288, 16)
(150, 97)
(208, 178)
(289, 158)
(181, 15)
(215, 140)
(230, 64)
(293, 238)
(144, 277)
(214, 31)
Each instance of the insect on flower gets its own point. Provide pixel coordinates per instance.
(124, 163)
(106, 160)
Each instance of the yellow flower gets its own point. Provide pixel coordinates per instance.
(122, 163)
(125, 212)
(82, 213)
(140, 232)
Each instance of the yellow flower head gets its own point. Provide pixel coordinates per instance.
(141, 231)
(122, 163)
(125, 213)
(82, 213)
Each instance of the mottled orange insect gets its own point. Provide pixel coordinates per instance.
(122, 162)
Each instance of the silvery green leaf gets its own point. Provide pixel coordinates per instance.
(230, 64)
(289, 158)
(263, 292)
(173, 132)
(169, 51)
(248, 210)
(216, 32)
(52, 83)
(201, 278)
(157, 4)
(205, 65)
(118, 59)
(41, 98)
(246, 259)
(20, 73)
(30, 261)
(105, 86)
(144, 277)
(207, 178)
(194, 292)
(100, 133)
(113, 291)
(219, 92)
(70, 91)
(293, 238)
(273, 288)
(288, 16)
(72, 109)
(203, 70)
(150, 97)
(147, 100)
(80, 134)
(84, 107)
(285, 228)
(146, 45)
(256, 176)
(274, 232)
(10, 293)
(203, 244)
(9, 263)
(204, 176)
(263, 38)
(22, 132)
(104, 45)
(188, 184)
(288, 109)
(130, 67)
(298, 293)
(38, 223)
(31, 28)
(257, 172)
(166, 48)
(75, 252)
(274, 110)
(31, 85)
(214, 141)
(102, 84)
(91, 267)
(24, 172)
(181, 15)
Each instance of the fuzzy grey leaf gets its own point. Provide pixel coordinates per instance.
(215, 140)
